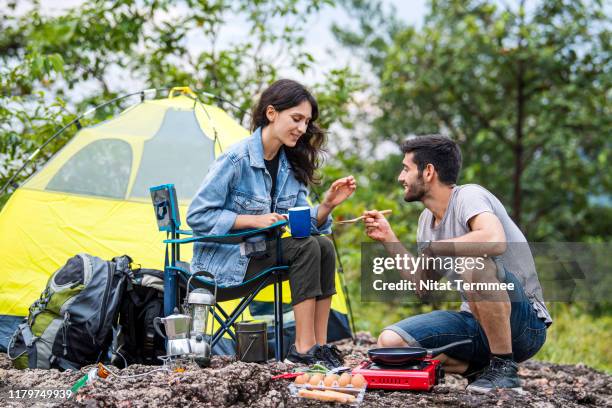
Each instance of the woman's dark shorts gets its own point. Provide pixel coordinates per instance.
(442, 327)
(312, 266)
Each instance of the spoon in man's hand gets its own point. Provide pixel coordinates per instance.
(360, 218)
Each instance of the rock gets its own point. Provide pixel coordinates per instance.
(233, 383)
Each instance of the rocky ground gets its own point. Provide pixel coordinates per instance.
(230, 383)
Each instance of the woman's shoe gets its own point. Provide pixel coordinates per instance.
(312, 356)
(331, 356)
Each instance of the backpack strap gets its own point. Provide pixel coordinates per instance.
(123, 263)
(23, 342)
(26, 332)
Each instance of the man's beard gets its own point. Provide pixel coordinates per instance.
(416, 191)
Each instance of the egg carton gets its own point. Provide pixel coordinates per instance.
(358, 393)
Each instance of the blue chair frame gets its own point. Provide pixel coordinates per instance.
(175, 269)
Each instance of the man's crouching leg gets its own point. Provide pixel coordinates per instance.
(492, 309)
(389, 338)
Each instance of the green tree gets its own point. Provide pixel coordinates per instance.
(53, 67)
(525, 91)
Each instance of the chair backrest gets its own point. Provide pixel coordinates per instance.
(166, 207)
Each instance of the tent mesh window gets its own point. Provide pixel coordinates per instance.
(101, 168)
(179, 153)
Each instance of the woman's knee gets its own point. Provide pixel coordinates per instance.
(327, 247)
(304, 246)
(304, 252)
(311, 247)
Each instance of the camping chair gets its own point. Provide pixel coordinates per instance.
(168, 219)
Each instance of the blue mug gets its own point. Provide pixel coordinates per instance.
(299, 222)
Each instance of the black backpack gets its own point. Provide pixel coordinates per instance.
(71, 325)
(135, 340)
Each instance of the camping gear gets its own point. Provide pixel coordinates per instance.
(299, 222)
(254, 247)
(252, 341)
(98, 372)
(176, 270)
(71, 324)
(404, 368)
(200, 305)
(353, 220)
(165, 205)
(416, 376)
(404, 355)
(177, 333)
(101, 372)
(92, 196)
(135, 340)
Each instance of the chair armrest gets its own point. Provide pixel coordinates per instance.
(184, 232)
(234, 238)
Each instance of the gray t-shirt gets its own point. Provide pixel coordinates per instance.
(469, 200)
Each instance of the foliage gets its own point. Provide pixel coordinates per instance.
(526, 92)
(53, 67)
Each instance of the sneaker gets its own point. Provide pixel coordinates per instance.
(501, 374)
(473, 376)
(312, 356)
(331, 356)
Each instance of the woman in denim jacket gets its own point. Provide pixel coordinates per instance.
(253, 185)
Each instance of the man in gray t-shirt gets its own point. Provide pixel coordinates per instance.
(468, 201)
(506, 323)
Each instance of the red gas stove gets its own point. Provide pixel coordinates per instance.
(418, 375)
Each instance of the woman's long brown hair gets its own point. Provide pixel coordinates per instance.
(305, 157)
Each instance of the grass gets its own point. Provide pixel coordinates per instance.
(577, 337)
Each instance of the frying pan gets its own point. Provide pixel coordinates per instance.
(403, 355)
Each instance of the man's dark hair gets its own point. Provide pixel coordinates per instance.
(443, 153)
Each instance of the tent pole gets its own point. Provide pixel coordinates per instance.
(76, 121)
(342, 280)
(345, 289)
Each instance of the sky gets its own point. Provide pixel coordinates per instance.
(320, 41)
(411, 12)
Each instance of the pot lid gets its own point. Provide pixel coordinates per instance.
(201, 297)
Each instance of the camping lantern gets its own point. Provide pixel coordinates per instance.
(200, 305)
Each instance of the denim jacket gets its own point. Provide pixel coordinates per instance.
(238, 183)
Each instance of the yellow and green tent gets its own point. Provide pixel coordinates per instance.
(93, 196)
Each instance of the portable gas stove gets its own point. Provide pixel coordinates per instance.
(405, 368)
(418, 375)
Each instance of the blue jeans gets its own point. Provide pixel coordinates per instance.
(442, 327)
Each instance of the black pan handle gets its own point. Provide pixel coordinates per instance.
(439, 350)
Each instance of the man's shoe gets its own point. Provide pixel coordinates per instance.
(331, 356)
(473, 376)
(501, 374)
(312, 356)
